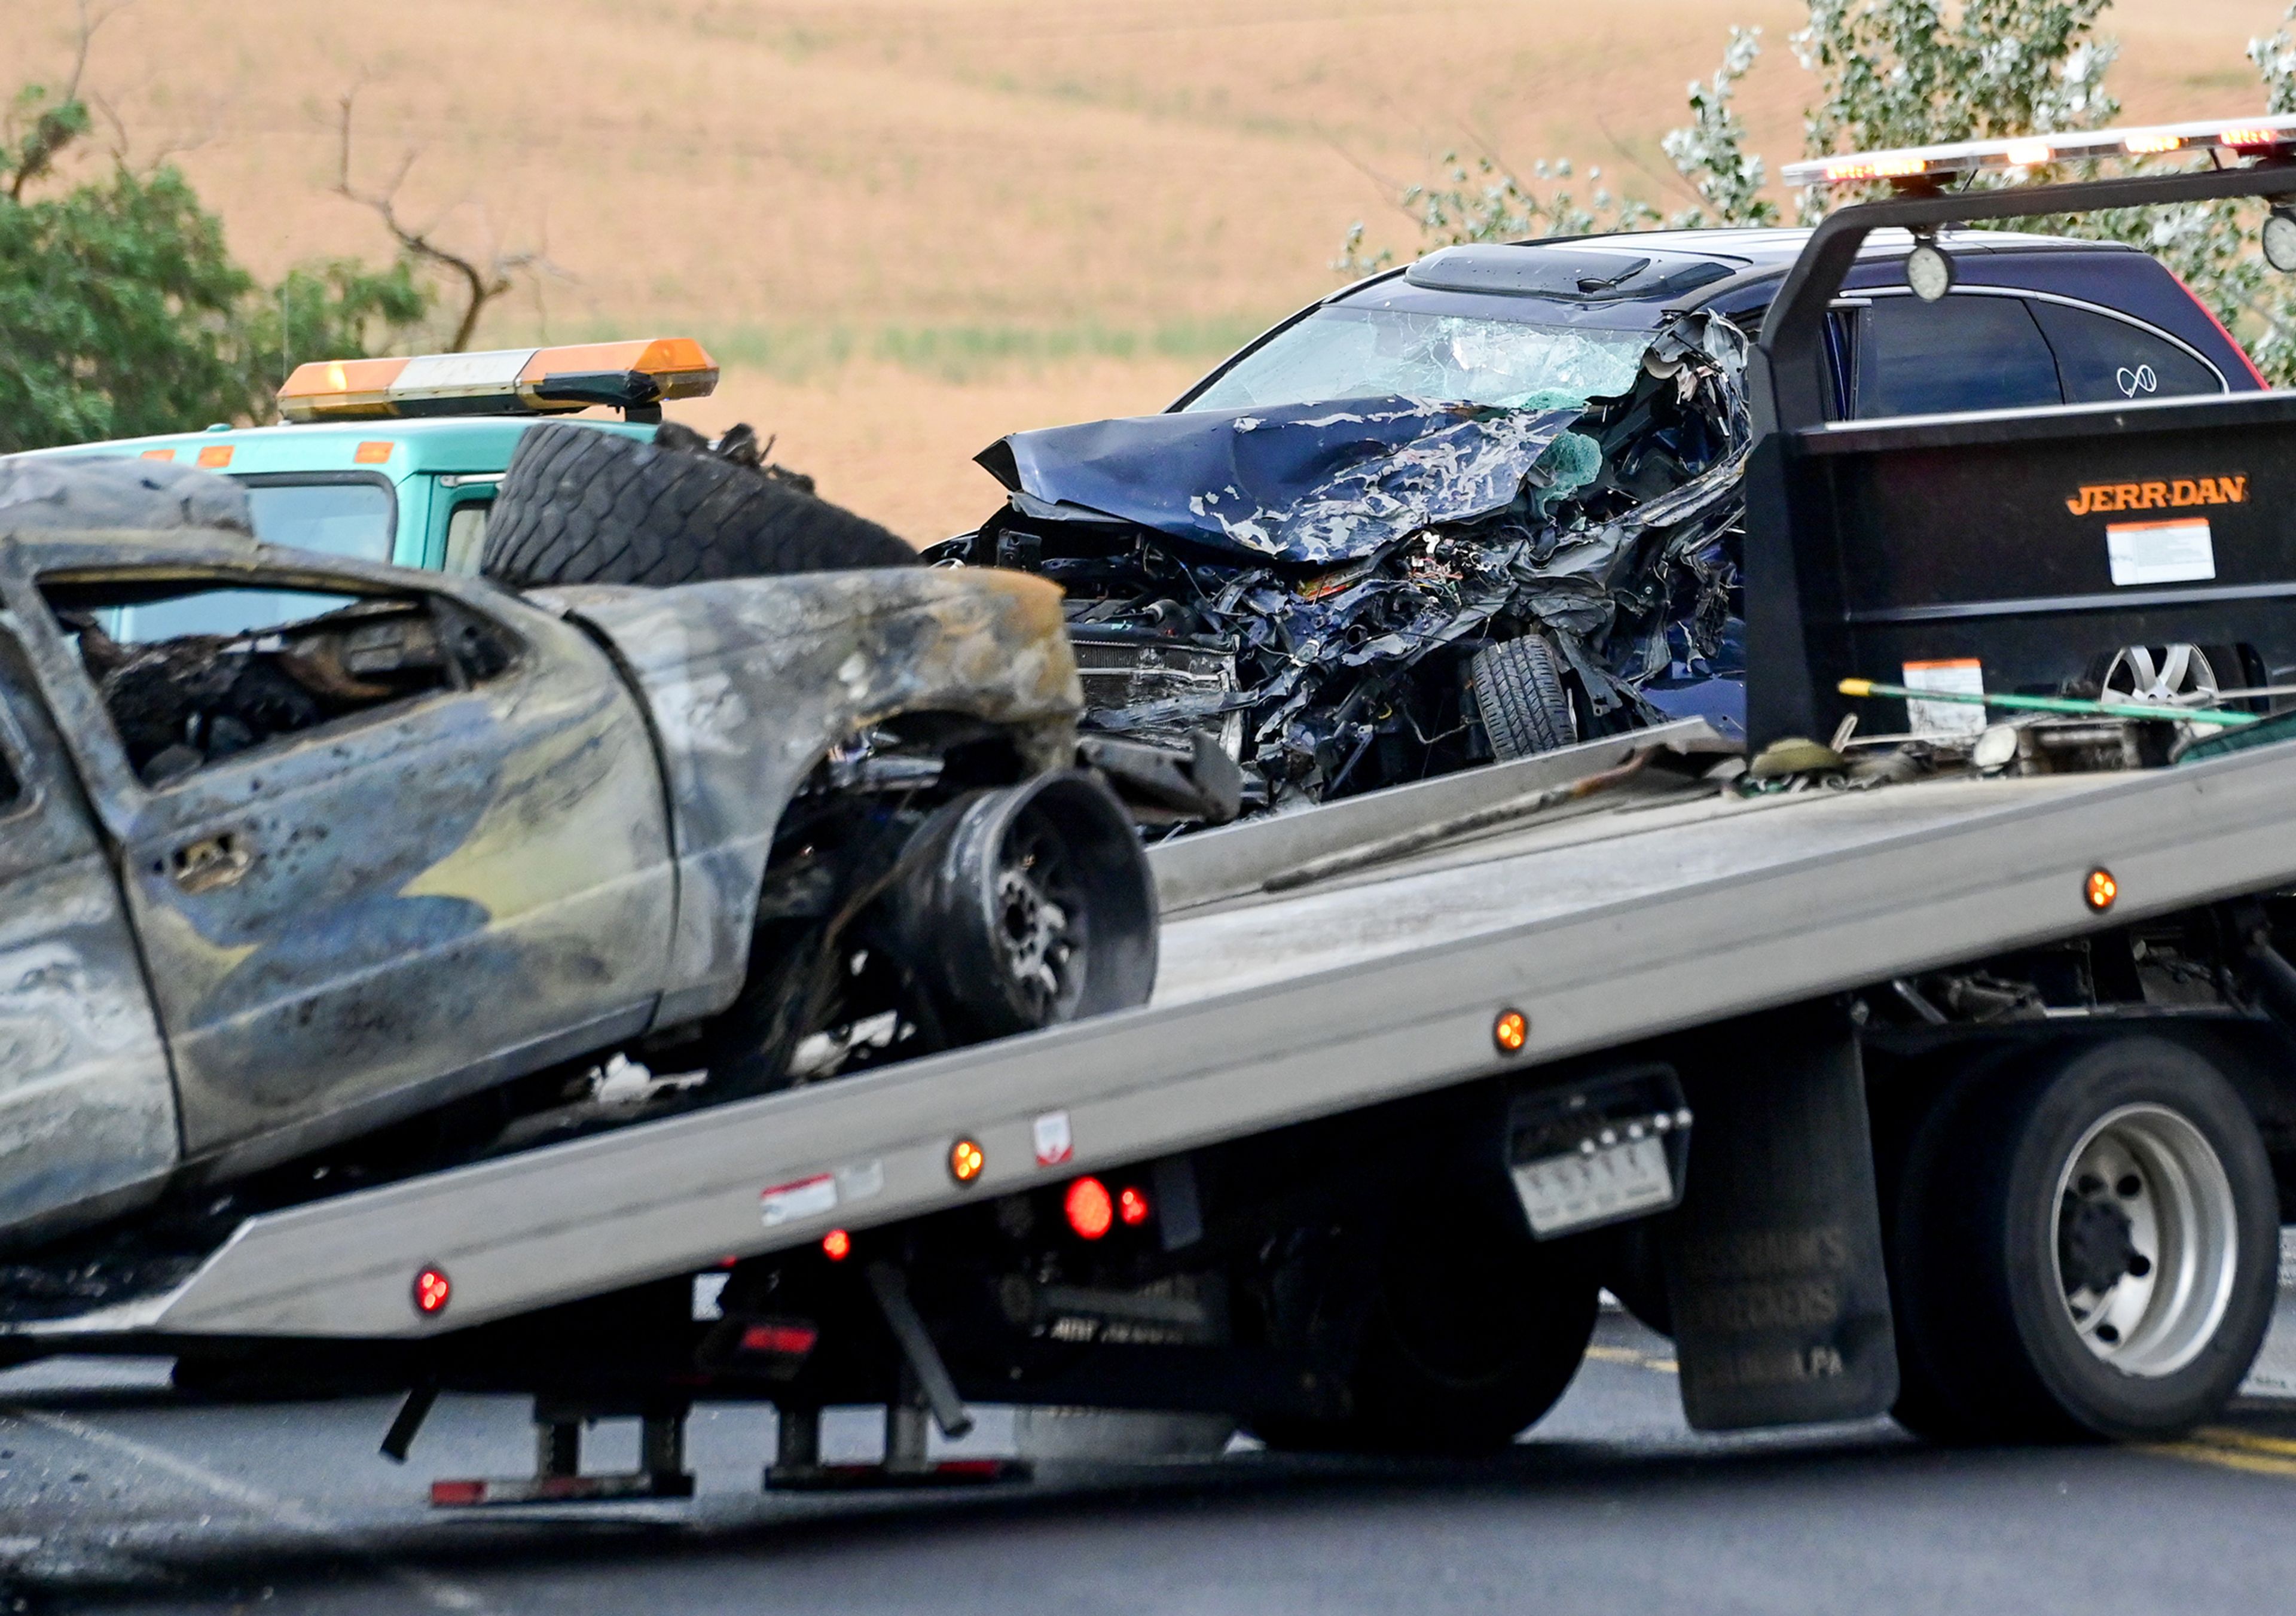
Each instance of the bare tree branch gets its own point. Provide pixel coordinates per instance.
(56, 127)
(481, 283)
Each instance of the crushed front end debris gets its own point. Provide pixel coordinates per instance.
(1315, 584)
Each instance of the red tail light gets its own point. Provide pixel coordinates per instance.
(1132, 1207)
(1090, 1212)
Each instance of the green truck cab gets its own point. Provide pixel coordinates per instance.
(397, 460)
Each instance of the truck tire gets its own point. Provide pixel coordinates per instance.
(2086, 1247)
(1472, 1333)
(578, 505)
(1520, 692)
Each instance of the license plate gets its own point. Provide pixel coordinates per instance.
(1576, 1191)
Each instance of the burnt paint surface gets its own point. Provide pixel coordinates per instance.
(751, 680)
(449, 889)
(87, 1114)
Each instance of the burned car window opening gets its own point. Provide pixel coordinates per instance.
(180, 701)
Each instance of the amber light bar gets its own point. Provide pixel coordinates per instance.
(2241, 137)
(513, 381)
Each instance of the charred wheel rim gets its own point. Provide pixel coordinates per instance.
(1031, 906)
(2146, 1240)
(1040, 914)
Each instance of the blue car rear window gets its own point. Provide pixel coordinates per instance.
(1966, 352)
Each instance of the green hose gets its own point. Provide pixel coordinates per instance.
(2062, 704)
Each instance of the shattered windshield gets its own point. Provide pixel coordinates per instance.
(1343, 352)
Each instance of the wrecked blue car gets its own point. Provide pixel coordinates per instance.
(1491, 503)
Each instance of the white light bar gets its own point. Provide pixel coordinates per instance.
(2241, 137)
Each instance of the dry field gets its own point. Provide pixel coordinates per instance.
(910, 225)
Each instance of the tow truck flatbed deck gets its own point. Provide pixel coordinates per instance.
(1629, 918)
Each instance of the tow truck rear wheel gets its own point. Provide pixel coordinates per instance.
(2089, 1248)
(1473, 1332)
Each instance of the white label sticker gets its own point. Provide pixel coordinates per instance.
(2160, 552)
(806, 1198)
(1054, 1144)
(709, 1295)
(1963, 677)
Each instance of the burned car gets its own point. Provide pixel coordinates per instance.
(298, 850)
(1490, 503)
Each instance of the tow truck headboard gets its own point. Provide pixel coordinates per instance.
(2005, 551)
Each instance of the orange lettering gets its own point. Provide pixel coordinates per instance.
(2156, 496)
(2183, 491)
(2235, 490)
(2209, 495)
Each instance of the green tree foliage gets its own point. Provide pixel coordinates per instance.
(1903, 73)
(122, 311)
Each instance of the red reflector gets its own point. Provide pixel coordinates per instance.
(1132, 1206)
(836, 1245)
(432, 1289)
(458, 1492)
(1089, 1210)
(788, 1340)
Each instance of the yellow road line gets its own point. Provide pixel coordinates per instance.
(2227, 1458)
(1640, 1360)
(2225, 1436)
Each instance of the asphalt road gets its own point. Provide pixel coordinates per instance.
(120, 1496)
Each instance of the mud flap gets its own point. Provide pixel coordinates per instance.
(1774, 1272)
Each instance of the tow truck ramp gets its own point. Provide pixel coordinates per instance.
(1620, 922)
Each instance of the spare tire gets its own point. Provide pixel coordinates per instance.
(578, 505)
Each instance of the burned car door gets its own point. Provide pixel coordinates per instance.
(87, 1113)
(381, 845)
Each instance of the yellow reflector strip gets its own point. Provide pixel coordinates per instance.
(216, 455)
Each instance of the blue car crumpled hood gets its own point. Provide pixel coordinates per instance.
(1311, 484)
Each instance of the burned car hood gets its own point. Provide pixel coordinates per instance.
(1311, 484)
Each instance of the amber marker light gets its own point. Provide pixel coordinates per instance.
(1511, 1032)
(836, 1245)
(2100, 889)
(374, 452)
(432, 1289)
(966, 1160)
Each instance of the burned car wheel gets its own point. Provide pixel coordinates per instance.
(578, 505)
(1520, 692)
(1004, 911)
(1030, 907)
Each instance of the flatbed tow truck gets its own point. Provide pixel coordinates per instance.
(1970, 1098)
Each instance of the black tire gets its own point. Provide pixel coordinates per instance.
(1473, 1332)
(578, 505)
(1520, 692)
(1990, 1217)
